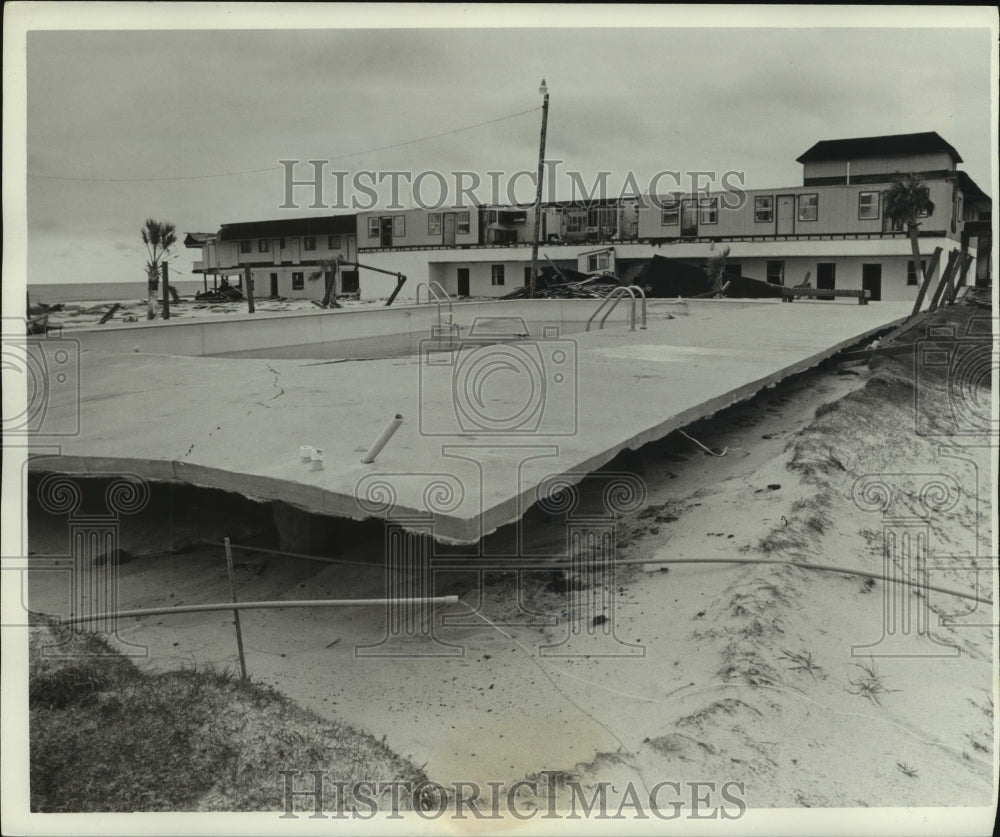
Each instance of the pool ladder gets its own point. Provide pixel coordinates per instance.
(440, 295)
(612, 300)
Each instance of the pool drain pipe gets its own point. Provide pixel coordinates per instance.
(383, 439)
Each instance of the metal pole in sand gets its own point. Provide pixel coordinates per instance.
(236, 612)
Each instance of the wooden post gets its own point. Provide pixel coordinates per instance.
(928, 278)
(533, 286)
(966, 264)
(164, 270)
(248, 281)
(949, 271)
(236, 613)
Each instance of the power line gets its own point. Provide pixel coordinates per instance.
(273, 168)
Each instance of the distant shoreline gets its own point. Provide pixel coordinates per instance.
(54, 292)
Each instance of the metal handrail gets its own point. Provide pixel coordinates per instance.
(438, 298)
(611, 301)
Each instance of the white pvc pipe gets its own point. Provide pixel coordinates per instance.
(383, 440)
(208, 608)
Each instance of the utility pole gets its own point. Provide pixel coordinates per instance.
(166, 291)
(544, 90)
(248, 277)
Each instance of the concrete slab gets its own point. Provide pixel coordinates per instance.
(488, 430)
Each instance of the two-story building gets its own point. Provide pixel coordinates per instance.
(282, 254)
(833, 227)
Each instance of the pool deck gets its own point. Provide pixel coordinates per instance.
(237, 424)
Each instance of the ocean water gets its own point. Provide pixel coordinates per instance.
(52, 293)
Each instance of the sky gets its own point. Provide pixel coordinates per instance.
(188, 126)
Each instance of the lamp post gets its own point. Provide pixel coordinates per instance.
(544, 90)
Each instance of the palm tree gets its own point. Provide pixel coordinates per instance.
(715, 268)
(327, 270)
(159, 237)
(908, 200)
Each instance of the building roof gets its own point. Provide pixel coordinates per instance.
(970, 188)
(196, 239)
(319, 225)
(929, 142)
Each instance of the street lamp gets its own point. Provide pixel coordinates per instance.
(543, 90)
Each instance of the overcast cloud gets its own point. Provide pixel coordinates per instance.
(121, 106)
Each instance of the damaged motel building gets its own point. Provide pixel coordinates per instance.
(834, 227)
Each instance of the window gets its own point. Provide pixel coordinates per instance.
(576, 221)
(246, 247)
(333, 242)
(808, 207)
(911, 271)
(598, 261)
(734, 268)
(398, 226)
(527, 276)
(708, 210)
(373, 227)
(763, 209)
(282, 245)
(434, 223)
(309, 242)
(926, 196)
(776, 273)
(462, 223)
(264, 246)
(671, 215)
(868, 206)
(298, 281)
(497, 274)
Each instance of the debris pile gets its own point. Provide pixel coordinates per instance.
(224, 293)
(563, 283)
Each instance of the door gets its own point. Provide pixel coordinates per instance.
(689, 218)
(448, 236)
(385, 232)
(350, 284)
(786, 215)
(274, 286)
(826, 278)
(463, 281)
(276, 250)
(871, 281)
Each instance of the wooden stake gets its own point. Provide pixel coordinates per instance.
(928, 278)
(949, 270)
(236, 613)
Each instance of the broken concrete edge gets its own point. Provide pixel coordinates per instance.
(446, 529)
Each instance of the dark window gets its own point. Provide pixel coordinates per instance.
(598, 261)
(763, 209)
(527, 276)
(309, 242)
(264, 246)
(734, 268)
(671, 214)
(373, 227)
(333, 242)
(497, 274)
(246, 246)
(808, 207)
(776, 272)
(298, 281)
(462, 222)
